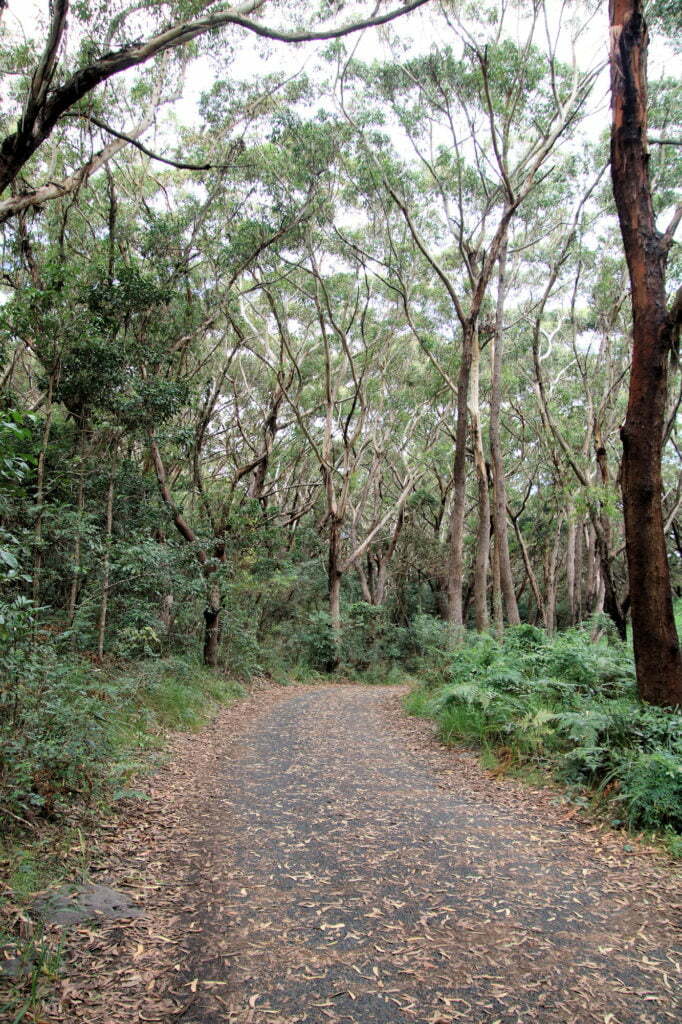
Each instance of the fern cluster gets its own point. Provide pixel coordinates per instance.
(569, 705)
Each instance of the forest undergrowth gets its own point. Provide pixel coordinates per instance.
(561, 708)
(75, 739)
(78, 735)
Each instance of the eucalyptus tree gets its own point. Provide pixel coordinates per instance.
(340, 337)
(656, 327)
(482, 115)
(60, 72)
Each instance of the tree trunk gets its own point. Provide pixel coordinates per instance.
(335, 620)
(497, 461)
(334, 575)
(578, 592)
(592, 581)
(40, 497)
(380, 581)
(80, 502)
(550, 567)
(212, 625)
(571, 567)
(482, 556)
(456, 559)
(498, 614)
(364, 577)
(527, 564)
(658, 659)
(103, 608)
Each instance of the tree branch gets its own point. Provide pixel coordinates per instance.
(43, 110)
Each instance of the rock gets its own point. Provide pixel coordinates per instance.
(15, 967)
(88, 902)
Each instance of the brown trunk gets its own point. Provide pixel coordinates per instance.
(578, 598)
(497, 461)
(656, 645)
(498, 614)
(212, 626)
(592, 581)
(570, 567)
(550, 568)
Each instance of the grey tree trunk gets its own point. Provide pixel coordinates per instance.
(496, 457)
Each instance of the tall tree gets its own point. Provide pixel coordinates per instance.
(656, 327)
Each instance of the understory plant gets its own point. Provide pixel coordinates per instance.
(568, 705)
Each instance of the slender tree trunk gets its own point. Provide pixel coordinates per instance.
(551, 561)
(380, 581)
(592, 580)
(602, 529)
(104, 605)
(364, 577)
(578, 593)
(456, 559)
(658, 659)
(334, 575)
(498, 613)
(527, 564)
(482, 556)
(80, 504)
(40, 497)
(570, 566)
(496, 458)
(212, 624)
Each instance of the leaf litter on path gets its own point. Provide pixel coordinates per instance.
(314, 857)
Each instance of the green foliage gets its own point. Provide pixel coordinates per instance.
(568, 705)
(650, 789)
(369, 637)
(316, 639)
(66, 726)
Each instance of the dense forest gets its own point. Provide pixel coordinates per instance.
(339, 341)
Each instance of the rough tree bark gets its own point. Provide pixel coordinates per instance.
(656, 645)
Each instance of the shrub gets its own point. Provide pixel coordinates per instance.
(650, 788)
(317, 641)
(66, 726)
(569, 705)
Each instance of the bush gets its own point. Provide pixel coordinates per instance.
(568, 705)
(67, 726)
(317, 641)
(370, 639)
(651, 790)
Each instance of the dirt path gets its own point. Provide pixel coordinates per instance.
(339, 868)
